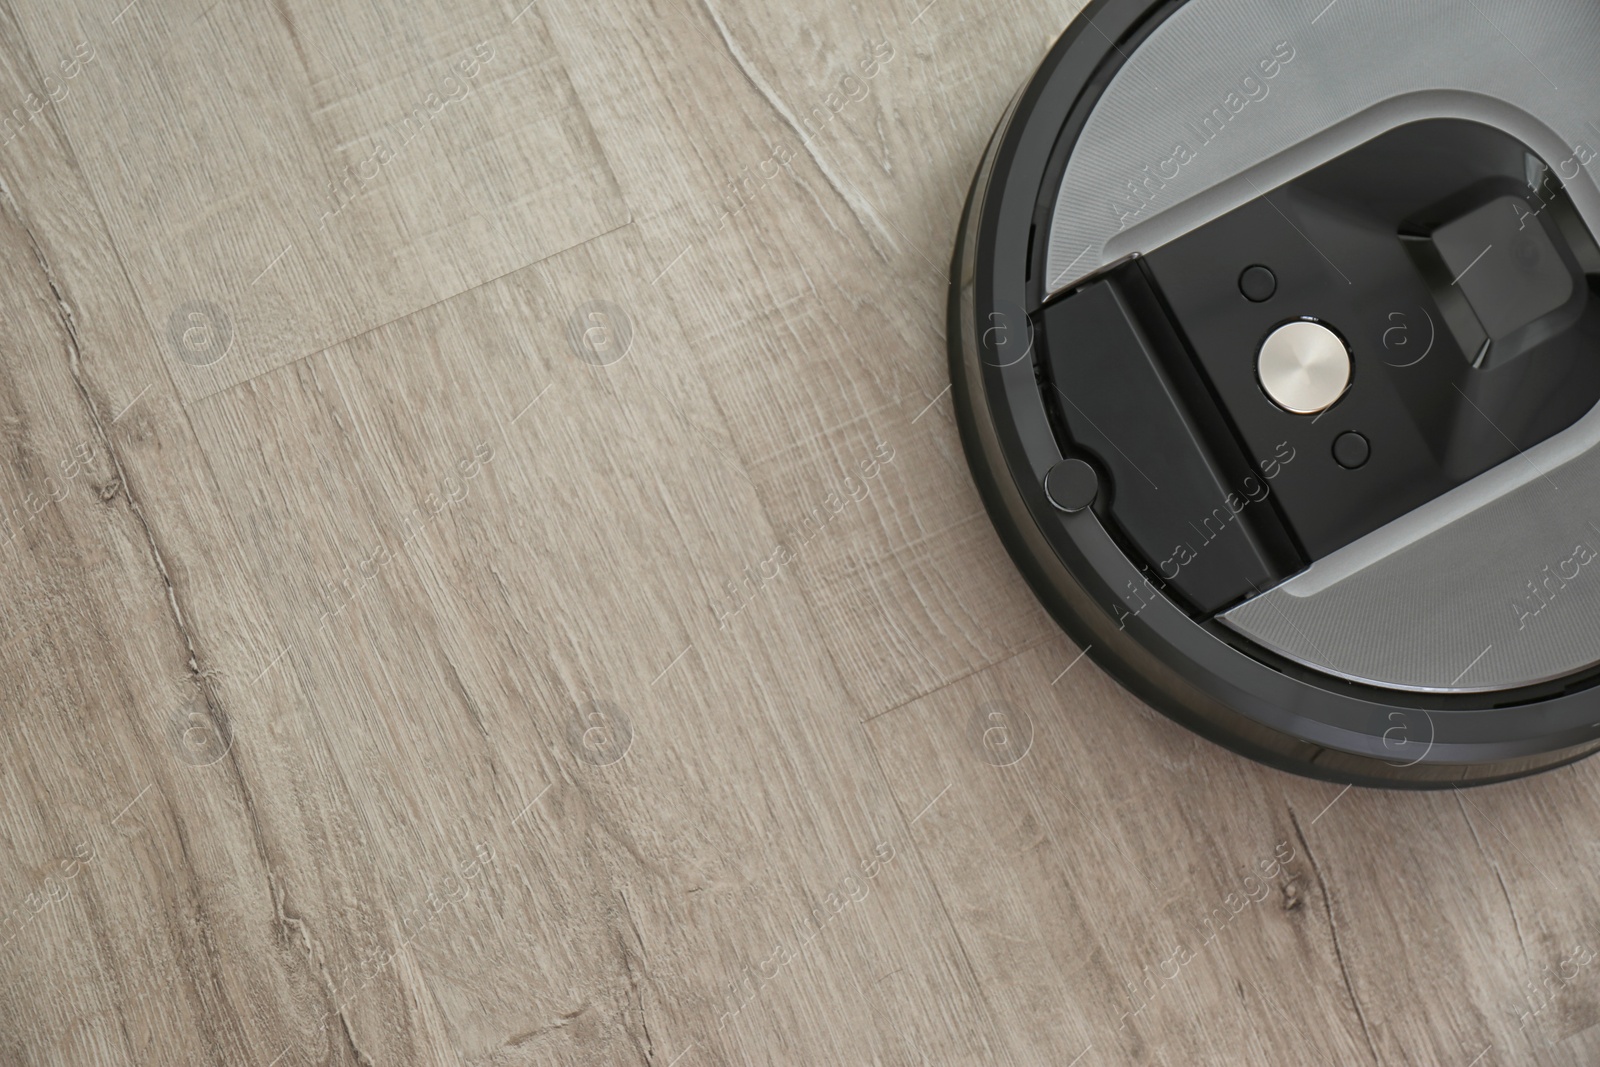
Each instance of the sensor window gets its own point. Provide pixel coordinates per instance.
(1503, 261)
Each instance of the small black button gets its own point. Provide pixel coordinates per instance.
(1071, 485)
(1351, 450)
(1258, 284)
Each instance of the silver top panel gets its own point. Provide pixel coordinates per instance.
(1497, 583)
(1230, 98)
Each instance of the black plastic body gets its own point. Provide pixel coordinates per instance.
(1083, 570)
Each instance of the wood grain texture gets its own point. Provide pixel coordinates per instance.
(523, 602)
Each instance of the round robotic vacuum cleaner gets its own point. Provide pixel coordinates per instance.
(1275, 342)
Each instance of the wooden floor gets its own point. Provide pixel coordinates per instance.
(491, 579)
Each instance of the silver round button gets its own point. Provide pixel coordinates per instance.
(1304, 367)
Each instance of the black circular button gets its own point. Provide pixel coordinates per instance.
(1258, 284)
(1071, 485)
(1351, 450)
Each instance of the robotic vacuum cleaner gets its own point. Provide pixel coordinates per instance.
(1275, 342)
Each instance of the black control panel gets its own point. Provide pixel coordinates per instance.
(1452, 266)
(1450, 261)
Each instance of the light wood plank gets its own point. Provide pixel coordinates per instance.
(307, 171)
